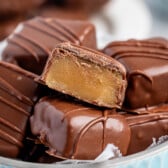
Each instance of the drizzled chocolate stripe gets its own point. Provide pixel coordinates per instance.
(64, 32)
(102, 119)
(57, 22)
(146, 62)
(84, 132)
(141, 54)
(138, 46)
(141, 51)
(41, 29)
(10, 125)
(73, 111)
(32, 42)
(14, 92)
(16, 42)
(21, 71)
(7, 137)
(157, 42)
(14, 106)
(134, 120)
(18, 94)
(133, 49)
(144, 128)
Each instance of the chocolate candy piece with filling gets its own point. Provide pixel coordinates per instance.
(32, 41)
(85, 74)
(146, 62)
(72, 130)
(18, 92)
(144, 128)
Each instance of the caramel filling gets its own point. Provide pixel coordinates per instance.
(85, 80)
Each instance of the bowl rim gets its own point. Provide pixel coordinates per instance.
(92, 164)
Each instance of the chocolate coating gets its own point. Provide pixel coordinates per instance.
(101, 80)
(146, 62)
(18, 92)
(72, 130)
(32, 41)
(144, 128)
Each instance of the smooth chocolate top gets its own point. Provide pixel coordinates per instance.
(146, 62)
(18, 92)
(72, 130)
(32, 41)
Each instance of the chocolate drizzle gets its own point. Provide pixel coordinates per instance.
(144, 128)
(11, 139)
(10, 125)
(102, 119)
(13, 106)
(32, 41)
(11, 90)
(146, 62)
(75, 37)
(140, 54)
(17, 96)
(23, 46)
(84, 132)
(74, 111)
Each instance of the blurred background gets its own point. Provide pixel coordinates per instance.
(114, 19)
(132, 19)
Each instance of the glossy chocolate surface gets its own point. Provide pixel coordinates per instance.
(32, 41)
(18, 92)
(146, 62)
(72, 130)
(85, 74)
(144, 128)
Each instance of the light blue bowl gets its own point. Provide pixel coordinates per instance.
(156, 157)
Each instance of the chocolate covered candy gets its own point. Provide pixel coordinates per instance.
(144, 128)
(18, 92)
(146, 62)
(85, 74)
(32, 42)
(72, 130)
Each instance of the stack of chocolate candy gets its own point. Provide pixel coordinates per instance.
(75, 98)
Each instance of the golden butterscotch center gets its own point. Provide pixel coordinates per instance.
(85, 80)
